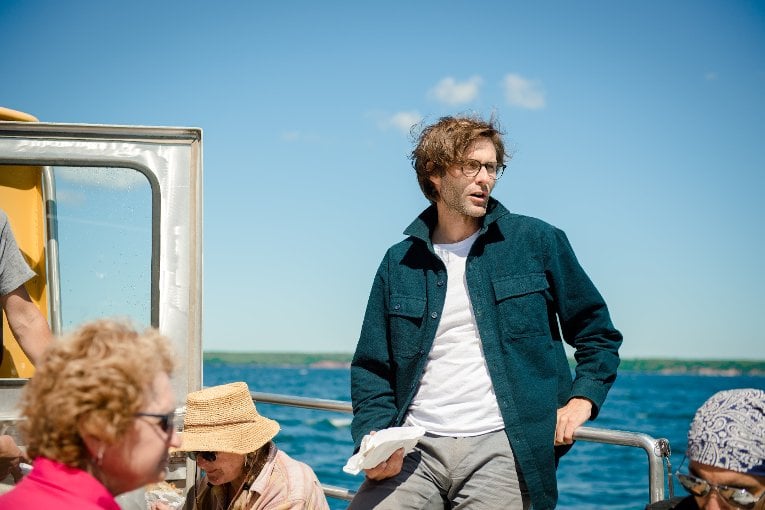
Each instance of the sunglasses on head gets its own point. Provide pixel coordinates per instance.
(735, 496)
(208, 456)
(166, 421)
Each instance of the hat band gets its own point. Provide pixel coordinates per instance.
(217, 425)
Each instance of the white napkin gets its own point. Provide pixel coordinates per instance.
(377, 447)
(164, 493)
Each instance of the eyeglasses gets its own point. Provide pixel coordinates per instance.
(166, 421)
(208, 456)
(471, 167)
(736, 496)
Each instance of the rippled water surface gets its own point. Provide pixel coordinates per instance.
(590, 476)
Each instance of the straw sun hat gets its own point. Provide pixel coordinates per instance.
(224, 419)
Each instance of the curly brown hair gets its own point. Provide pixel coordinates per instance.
(94, 379)
(445, 142)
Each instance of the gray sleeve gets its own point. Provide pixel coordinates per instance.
(14, 271)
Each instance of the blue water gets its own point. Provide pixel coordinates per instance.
(591, 476)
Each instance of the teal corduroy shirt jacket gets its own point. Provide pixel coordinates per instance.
(529, 293)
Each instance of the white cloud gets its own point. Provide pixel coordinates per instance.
(452, 92)
(403, 121)
(400, 121)
(523, 93)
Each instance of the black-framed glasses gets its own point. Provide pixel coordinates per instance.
(735, 496)
(471, 167)
(166, 421)
(208, 456)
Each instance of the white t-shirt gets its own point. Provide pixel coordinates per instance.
(455, 396)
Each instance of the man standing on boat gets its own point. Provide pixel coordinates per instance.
(27, 324)
(463, 335)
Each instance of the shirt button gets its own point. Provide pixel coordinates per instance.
(440, 283)
(397, 307)
(433, 315)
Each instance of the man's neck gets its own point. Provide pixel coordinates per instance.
(453, 229)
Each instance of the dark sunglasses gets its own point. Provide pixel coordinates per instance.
(166, 421)
(208, 456)
(736, 496)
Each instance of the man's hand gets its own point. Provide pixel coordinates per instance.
(570, 417)
(387, 468)
(10, 456)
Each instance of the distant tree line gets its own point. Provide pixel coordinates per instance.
(325, 359)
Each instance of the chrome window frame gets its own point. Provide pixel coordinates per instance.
(171, 160)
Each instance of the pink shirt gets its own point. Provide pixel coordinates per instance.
(52, 485)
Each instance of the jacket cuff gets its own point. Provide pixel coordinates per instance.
(592, 390)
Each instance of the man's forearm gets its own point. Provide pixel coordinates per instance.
(27, 324)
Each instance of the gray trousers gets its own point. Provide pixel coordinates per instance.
(476, 473)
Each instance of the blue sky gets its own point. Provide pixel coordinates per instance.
(637, 127)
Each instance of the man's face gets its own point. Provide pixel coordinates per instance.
(466, 197)
(720, 476)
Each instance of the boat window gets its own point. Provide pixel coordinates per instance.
(104, 238)
(98, 248)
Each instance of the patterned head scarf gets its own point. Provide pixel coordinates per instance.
(728, 432)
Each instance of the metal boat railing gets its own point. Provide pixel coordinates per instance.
(656, 449)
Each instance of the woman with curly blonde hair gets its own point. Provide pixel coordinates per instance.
(99, 419)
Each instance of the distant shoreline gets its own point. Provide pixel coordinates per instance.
(343, 360)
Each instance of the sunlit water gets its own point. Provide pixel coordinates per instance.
(591, 476)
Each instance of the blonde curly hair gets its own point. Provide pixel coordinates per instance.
(93, 380)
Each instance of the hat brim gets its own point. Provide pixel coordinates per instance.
(239, 438)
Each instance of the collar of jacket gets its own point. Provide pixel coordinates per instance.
(422, 227)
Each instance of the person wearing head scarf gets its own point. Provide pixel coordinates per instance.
(98, 419)
(726, 453)
(244, 470)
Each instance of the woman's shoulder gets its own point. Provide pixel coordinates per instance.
(290, 464)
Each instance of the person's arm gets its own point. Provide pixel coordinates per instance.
(371, 387)
(372, 392)
(586, 325)
(10, 457)
(27, 323)
(315, 498)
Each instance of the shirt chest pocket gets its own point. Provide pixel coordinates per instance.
(406, 315)
(522, 305)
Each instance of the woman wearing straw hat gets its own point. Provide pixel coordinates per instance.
(244, 470)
